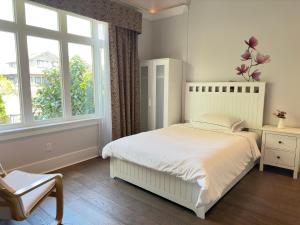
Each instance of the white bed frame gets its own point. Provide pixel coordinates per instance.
(242, 99)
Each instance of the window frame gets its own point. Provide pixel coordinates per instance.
(21, 31)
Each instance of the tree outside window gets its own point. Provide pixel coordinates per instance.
(47, 102)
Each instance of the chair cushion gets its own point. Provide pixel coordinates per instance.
(18, 180)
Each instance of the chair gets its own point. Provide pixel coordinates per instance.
(21, 193)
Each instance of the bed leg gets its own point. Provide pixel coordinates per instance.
(200, 212)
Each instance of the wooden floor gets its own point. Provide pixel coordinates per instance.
(93, 198)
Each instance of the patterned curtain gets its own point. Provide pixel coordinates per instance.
(125, 81)
(102, 10)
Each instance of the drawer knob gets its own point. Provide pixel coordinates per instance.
(278, 157)
(280, 142)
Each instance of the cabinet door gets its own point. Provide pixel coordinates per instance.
(160, 68)
(144, 71)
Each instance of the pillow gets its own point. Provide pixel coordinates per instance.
(238, 126)
(222, 120)
(209, 126)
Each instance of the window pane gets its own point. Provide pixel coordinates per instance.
(41, 17)
(78, 26)
(82, 79)
(45, 78)
(101, 31)
(9, 82)
(6, 10)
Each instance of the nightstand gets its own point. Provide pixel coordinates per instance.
(281, 147)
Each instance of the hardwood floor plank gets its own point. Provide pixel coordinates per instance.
(70, 217)
(93, 198)
(122, 204)
(92, 214)
(11, 222)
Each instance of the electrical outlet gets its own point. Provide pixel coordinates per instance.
(49, 147)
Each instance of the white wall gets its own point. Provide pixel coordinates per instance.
(145, 41)
(169, 37)
(216, 31)
(69, 146)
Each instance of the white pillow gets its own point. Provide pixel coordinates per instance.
(239, 126)
(222, 120)
(209, 126)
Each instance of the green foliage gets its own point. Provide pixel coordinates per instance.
(82, 89)
(3, 116)
(48, 103)
(6, 88)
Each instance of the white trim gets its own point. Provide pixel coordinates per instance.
(58, 162)
(45, 129)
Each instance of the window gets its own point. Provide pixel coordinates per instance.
(101, 31)
(50, 71)
(9, 85)
(82, 79)
(78, 26)
(41, 17)
(46, 94)
(6, 10)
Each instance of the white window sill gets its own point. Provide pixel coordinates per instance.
(46, 128)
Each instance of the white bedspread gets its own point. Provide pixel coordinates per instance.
(212, 159)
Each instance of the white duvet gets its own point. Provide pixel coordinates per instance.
(213, 159)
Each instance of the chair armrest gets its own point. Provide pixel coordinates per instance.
(36, 184)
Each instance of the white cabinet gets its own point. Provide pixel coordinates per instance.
(281, 147)
(161, 93)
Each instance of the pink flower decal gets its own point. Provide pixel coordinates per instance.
(256, 75)
(246, 56)
(262, 59)
(242, 69)
(252, 43)
(252, 59)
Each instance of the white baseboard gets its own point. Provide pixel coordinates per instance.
(61, 161)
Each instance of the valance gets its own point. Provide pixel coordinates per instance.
(102, 10)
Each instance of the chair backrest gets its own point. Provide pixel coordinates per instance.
(3, 184)
(2, 171)
(9, 207)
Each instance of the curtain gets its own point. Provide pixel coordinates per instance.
(105, 128)
(102, 10)
(125, 81)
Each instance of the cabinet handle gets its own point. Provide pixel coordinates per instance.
(280, 142)
(278, 157)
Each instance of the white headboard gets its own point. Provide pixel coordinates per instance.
(242, 99)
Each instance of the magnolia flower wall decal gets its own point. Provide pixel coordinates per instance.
(252, 58)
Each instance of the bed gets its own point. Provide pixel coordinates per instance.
(190, 166)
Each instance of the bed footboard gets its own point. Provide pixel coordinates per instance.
(167, 186)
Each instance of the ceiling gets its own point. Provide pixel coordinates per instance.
(154, 6)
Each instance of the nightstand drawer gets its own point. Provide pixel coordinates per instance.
(282, 158)
(281, 142)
